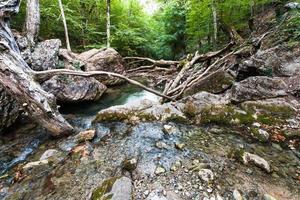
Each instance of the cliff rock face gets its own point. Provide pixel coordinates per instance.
(9, 109)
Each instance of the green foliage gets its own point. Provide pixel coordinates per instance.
(177, 28)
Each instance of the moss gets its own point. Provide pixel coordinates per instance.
(270, 114)
(225, 115)
(190, 109)
(255, 133)
(102, 192)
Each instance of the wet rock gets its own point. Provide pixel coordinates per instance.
(160, 170)
(179, 146)
(9, 109)
(237, 195)
(52, 155)
(106, 59)
(292, 5)
(256, 160)
(215, 83)
(264, 134)
(86, 135)
(145, 110)
(32, 165)
(45, 55)
(117, 188)
(130, 164)
(168, 129)
(256, 88)
(269, 197)
(161, 145)
(206, 175)
(74, 89)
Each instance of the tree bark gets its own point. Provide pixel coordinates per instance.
(32, 23)
(108, 22)
(215, 21)
(65, 25)
(17, 78)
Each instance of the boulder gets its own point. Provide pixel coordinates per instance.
(278, 61)
(9, 109)
(145, 110)
(256, 88)
(116, 188)
(215, 83)
(45, 55)
(106, 59)
(73, 89)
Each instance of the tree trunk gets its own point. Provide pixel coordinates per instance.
(108, 22)
(32, 23)
(65, 25)
(215, 21)
(17, 78)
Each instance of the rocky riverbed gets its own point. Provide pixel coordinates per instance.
(132, 159)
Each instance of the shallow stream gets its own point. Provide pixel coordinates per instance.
(152, 147)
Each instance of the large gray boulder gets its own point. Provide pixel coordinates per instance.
(106, 59)
(45, 55)
(9, 109)
(74, 89)
(256, 88)
(277, 61)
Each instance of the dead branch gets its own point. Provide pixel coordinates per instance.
(41, 76)
(154, 62)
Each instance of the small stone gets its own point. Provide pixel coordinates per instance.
(264, 134)
(237, 195)
(206, 175)
(277, 146)
(269, 197)
(129, 164)
(35, 164)
(173, 168)
(161, 145)
(52, 155)
(209, 190)
(256, 160)
(168, 129)
(86, 135)
(256, 124)
(160, 170)
(179, 146)
(249, 171)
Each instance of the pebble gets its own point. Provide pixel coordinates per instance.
(86, 135)
(160, 170)
(258, 161)
(161, 145)
(206, 175)
(237, 195)
(168, 129)
(269, 197)
(179, 146)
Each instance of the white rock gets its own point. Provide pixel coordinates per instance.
(35, 164)
(256, 160)
(206, 175)
(237, 195)
(269, 197)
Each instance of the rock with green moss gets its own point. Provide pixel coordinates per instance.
(215, 83)
(116, 188)
(144, 110)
